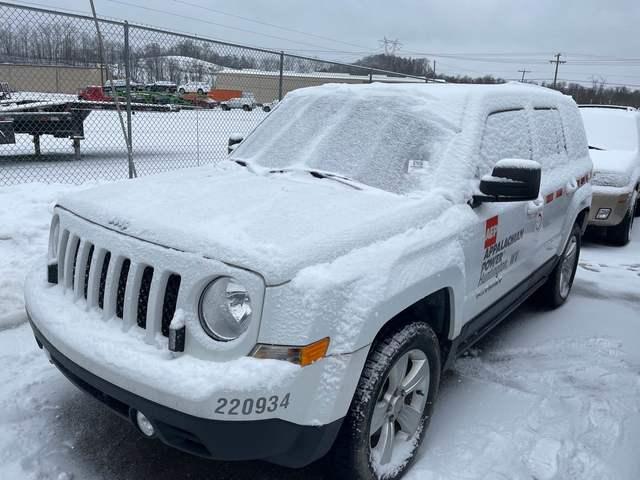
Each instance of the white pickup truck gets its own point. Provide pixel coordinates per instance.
(303, 298)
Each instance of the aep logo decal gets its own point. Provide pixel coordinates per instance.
(491, 232)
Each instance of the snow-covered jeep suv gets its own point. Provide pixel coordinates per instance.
(304, 297)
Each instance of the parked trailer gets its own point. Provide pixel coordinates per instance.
(61, 119)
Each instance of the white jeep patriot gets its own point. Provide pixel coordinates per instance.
(304, 297)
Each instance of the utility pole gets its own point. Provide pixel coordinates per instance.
(434, 69)
(524, 72)
(557, 61)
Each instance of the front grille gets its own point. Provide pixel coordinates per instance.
(118, 285)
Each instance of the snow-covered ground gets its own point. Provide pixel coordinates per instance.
(548, 395)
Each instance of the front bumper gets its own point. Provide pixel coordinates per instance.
(616, 202)
(273, 440)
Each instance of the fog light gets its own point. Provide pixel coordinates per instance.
(145, 425)
(603, 213)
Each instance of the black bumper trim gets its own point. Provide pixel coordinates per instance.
(273, 440)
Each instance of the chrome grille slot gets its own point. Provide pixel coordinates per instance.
(87, 271)
(103, 279)
(170, 302)
(122, 286)
(143, 297)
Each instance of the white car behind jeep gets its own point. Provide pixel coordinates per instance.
(246, 102)
(613, 134)
(303, 298)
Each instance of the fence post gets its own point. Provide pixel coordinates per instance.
(280, 78)
(370, 76)
(127, 76)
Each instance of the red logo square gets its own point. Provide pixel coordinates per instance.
(491, 232)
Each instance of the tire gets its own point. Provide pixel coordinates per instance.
(358, 454)
(620, 235)
(200, 91)
(557, 288)
(246, 108)
(225, 108)
(266, 109)
(637, 210)
(181, 91)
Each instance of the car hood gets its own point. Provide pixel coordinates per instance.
(274, 224)
(615, 161)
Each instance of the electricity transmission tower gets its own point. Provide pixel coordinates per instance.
(524, 72)
(390, 46)
(557, 61)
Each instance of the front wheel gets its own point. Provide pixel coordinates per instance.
(620, 235)
(392, 406)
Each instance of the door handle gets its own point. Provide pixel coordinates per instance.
(572, 186)
(535, 206)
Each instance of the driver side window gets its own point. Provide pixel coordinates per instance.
(506, 135)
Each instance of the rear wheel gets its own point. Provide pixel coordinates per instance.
(246, 108)
(200, 91)
(181, 91)
(391, 408)
(557, 288)
(620, 235)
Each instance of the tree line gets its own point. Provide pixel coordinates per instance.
(159, 56)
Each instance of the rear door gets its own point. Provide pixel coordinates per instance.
(498, 249)
(550, 150)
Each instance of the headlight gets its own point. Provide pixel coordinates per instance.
(54, 238)
(610, 179)
(225, 309)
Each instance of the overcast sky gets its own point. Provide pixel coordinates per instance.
(598, 38)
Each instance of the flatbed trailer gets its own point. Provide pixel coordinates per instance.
(59, 118)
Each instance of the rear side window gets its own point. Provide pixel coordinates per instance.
(549, 144)
(506, 135)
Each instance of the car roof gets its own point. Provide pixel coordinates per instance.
(454, 103)
(613, 107)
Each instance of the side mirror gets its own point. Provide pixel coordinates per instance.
(234, 140)
(512, 180)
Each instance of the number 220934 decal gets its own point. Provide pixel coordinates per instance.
(249, 406)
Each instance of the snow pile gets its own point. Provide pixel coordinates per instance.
(24, 230)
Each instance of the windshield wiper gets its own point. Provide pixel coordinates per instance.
(591, 147)
(323, 175)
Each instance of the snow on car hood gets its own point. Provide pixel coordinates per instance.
(615, 161)
(272, 224)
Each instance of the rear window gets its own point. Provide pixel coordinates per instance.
(548, 138)
(611, 129)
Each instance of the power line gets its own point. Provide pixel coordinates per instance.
(259, 22)
(208, 22)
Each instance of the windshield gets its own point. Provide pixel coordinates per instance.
(376, 140)
(610, 129)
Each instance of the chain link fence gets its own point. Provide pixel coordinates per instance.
(182, 96)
